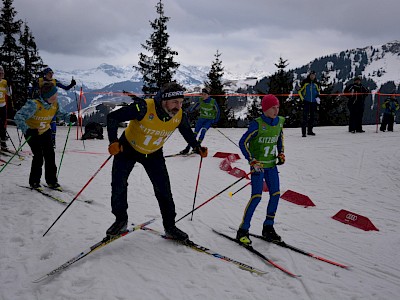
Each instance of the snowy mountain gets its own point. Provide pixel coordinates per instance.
(106, 75)
(379, 65)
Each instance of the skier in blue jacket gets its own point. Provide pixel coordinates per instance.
(391, 106)
(309, 94)
(262, 145)
(209, 115)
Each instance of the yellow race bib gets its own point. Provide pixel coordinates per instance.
(149, 134)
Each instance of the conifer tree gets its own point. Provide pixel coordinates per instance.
(332, 110)
(159, 67)
(280, 85)
(254, 109)
(31, 60)
(216, 88)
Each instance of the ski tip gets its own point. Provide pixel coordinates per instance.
(37, 280)
(230, 194)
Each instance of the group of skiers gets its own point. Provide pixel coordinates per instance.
(152, 121)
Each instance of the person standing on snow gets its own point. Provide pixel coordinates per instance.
(262, 145)
(152, 121)
(33, 119)
(309, 94)
(391, 106)
(4, 92)
(356, 94)
(48, 77)
(209, 115)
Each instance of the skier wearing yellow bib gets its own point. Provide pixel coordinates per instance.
(4, 92)
(151, 123)
(34, 119)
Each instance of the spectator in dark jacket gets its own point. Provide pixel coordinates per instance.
(356, 94)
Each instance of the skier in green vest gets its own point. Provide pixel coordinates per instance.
(209, 115)
(262, 145)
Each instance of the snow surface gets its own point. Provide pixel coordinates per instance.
(336, 169)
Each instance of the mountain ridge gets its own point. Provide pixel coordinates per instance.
(378, 64)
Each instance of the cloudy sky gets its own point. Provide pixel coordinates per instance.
(251, 34)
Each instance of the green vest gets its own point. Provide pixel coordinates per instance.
(207, 110)
(263, 146)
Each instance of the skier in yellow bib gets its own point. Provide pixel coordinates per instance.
(151, 123)
(34, 121)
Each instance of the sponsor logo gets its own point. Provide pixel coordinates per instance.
(351, 217)
(151, 116)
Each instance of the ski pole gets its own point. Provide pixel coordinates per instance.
(65, 146)
(197, 184)
(231, 194)
(205, 202)
(77, 195)
(227, 137)
(78, 112)
(11, 140)
(19, 149)
(13, 144)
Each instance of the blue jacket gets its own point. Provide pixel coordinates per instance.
(29, 109)
(309, 91)
(391, 106)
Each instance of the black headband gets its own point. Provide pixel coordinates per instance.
(168, 95)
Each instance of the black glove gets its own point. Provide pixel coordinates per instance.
(281, 159)
(72, 118)
(73, 83)
(31, 132)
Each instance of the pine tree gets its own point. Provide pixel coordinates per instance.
(281, 84)
(158, 68)
(254, 109)
(31, 59)
(216, 88)
(332, 110)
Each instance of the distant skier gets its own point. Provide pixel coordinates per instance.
(48, 77)
(391, 106)
(262, 145)
(209, 115)
(309, 94)
(4, 92)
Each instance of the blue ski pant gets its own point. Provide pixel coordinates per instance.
(53, 127)
(202, 125)
(271, 177)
